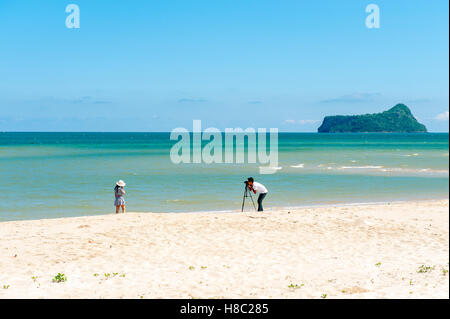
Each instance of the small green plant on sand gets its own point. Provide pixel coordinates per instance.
(96, 275)
(203, 267)
(60, 278)
(34, 278)
(295, 286)
(378, 264)
(191, 267)
(424, 269)
(6, 286)
(109, 275)
(444, 272)
(324, 296)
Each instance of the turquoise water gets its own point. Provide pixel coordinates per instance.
(47, 175)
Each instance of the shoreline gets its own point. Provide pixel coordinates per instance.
(397, 250)
(229, 211)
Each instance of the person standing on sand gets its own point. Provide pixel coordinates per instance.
(119, 192)
(260, 188)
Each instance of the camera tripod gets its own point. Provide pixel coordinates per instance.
(247, 193)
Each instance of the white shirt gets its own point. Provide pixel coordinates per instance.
(259, 188)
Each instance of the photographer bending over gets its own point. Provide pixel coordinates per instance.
(257, 187)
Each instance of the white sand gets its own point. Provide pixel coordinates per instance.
(360, 251)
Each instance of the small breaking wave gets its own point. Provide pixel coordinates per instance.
(270, 168)
(415, 170)
(361, 167)
(382, 169)
(409, 155)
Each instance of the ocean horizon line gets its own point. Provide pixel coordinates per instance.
(279, 132)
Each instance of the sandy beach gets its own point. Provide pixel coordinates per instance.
(397, 250)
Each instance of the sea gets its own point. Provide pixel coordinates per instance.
(53, 175)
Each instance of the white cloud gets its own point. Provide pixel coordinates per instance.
(354, 98)
(189, 100)
(442, 116)
(301, 122)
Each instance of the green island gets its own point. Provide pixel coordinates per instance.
(398, 119)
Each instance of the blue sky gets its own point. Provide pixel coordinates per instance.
(157, 65)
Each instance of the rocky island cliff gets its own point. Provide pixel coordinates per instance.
(397, 119)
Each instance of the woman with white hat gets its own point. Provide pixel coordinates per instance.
(119, 192)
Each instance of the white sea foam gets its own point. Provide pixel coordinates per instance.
(361, 167)
(409, 155)
(298, 166)
(275, 168)
(382, 169)
(415, 170)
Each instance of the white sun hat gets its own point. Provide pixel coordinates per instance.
(121, 183)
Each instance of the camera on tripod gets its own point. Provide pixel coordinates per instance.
(247, 193)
